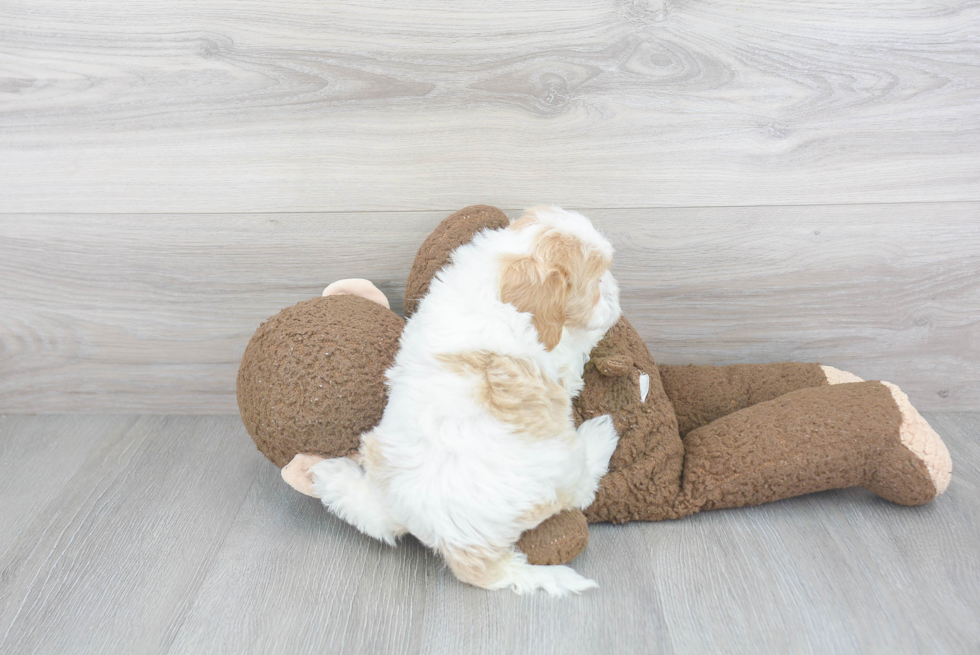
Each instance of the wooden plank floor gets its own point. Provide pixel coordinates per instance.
(174, 535)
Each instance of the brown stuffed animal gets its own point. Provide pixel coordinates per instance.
(691, 437)
(311, 379)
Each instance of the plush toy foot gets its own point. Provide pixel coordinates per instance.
(297, 473)
(919, 467)
(833, 436)
(919, 443)
(357, 287)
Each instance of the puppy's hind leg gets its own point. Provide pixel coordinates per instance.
(345, 489)
(499, 569)
(600, 439)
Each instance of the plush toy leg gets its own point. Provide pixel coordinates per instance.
(557, 540)
(829, 437)
(702, 394)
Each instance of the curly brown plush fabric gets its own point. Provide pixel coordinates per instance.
(557, 540)
(702, 394)
(645, 470)
(434, 254)
(828, 437)
(312, 377)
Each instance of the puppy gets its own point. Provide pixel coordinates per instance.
(477, 442)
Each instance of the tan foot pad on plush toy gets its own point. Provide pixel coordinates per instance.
(919, 438)
(837, 376)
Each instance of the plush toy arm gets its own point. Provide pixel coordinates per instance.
(702, 394)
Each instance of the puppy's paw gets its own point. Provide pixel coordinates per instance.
(332, 479)
(345, 489)
(297, 473)
(601, 439)
(561, 581)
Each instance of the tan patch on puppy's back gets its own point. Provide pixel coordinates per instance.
(516, 392)
(528, 218)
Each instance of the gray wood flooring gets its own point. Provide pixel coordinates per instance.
(172, 534)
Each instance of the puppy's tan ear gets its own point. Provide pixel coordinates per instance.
(531, 287)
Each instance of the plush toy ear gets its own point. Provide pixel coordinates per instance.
(530, 286)
(357, 287)
(614, 366)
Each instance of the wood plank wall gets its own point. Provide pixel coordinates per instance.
(781, 184)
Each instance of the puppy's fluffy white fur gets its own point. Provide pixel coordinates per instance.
(477, 442)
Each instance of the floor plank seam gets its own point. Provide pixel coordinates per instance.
(173, 631)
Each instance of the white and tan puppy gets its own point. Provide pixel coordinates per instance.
(477, 442)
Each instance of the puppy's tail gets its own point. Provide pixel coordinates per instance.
(500, 569)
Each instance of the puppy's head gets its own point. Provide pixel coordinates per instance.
(562, 278)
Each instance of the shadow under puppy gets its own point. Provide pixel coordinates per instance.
(477, 443)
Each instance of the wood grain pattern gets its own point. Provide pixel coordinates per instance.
(30, 450)
(175, 536)
(218, 106)
(113, 561)
(886, 292)
(151, 313)
(317, 581)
